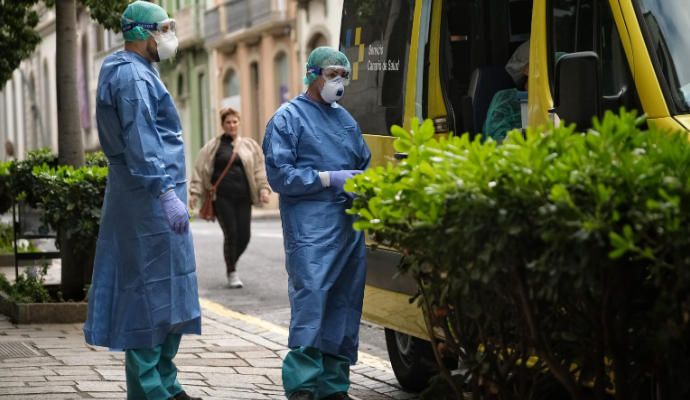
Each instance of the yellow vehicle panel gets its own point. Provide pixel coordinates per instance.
(539, 90)
(410, 86)
(393, 310)
(381, 148)
(670, 124)
(684, 121)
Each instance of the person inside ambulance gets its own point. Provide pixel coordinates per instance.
(504, 111)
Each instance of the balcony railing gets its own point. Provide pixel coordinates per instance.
(212, 23)
(241, 16)
(245, 14)
(236, 15)
(188, 25)
(262, 11)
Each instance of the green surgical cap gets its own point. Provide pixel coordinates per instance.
(141, 11)
(322, 57)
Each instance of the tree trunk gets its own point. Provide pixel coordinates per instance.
(70, 140)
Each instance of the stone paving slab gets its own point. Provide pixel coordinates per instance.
(237, 357)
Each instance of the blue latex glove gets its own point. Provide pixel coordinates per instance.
(175, 211)
(338, 178)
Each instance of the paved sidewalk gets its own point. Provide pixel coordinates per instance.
(237, 357)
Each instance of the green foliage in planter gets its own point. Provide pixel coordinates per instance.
(23, 183)
(5, 187)
(7, 241)
(96, 159)
(69, 198)
(28, 288)
(72, 199)
(555, 257)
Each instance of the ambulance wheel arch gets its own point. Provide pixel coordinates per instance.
(413, 360)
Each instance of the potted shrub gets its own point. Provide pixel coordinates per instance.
(69, 201)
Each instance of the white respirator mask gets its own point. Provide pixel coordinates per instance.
(167, 45)
(333, 89)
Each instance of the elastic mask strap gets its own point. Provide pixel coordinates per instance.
(314, 70)
(151, 26)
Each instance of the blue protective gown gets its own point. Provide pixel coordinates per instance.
(325, 256)
(144, 281)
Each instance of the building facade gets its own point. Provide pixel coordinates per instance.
(187, 75)
(318, 24)
(248, 54)
(28, 101)
(253, 59)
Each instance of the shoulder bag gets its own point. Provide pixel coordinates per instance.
(206, 212)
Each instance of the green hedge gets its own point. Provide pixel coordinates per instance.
(28, 287)
(70, 198)
(558, 262)
(18, 181)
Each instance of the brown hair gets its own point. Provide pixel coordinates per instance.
(227, 111)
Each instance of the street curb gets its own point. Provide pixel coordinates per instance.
(208, 305)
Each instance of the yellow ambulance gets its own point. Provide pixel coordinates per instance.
(445, 60)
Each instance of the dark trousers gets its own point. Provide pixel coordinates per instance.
(235, 218)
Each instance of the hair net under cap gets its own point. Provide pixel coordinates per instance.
(141, 11)
(324, 57)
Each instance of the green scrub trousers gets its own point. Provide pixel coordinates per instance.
(151, 373)
(307, 368)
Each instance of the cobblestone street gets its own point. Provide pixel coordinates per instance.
(237, 357)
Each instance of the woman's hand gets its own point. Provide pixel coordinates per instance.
(192, 202)
(264, 196)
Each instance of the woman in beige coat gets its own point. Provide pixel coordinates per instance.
(244, 185)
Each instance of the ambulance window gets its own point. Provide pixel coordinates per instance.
(666, 35)
(520, 20)
(572, 26)
(588, 25)
(375, 36)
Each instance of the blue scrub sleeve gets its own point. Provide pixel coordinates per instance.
(364, 152)
(280, 150)
(137, 110)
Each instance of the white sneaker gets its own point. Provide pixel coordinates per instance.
(234, 281)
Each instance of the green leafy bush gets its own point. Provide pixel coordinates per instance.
(556, 262)
(96, 159)
(5, 187)
(72, 199)
(7, 241)
(23, 183)
(28, 288)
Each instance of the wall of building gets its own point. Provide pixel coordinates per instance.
(265, 74)
(29, 111)
(253, 60)
(267, 61)
(29, 100)
(318, 24)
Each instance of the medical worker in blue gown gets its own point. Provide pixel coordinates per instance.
(312, 146)
(144, 295)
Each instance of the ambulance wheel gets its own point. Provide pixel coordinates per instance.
(412, 360)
